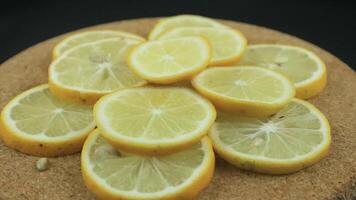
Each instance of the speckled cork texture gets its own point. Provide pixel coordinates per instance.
(331, 178)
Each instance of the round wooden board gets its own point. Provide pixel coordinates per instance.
(333, 176)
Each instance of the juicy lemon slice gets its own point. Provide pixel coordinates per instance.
(91, 70)
(305, 69)
(171, 60)
(227, 44)
(251, 91)
(113, 174)
(294, 138)
(153, 120)
(38, 123)
(90, 36)
(170, 23)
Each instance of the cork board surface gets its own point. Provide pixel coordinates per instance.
(332, 178)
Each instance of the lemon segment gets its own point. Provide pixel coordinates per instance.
(303, 67)
(227, 44)
(173, 22)
(89, 71)
(251, 91)
(38, 123)
(292, 139)
(153, 120)
(171, 60)
(90, 36)
(113, 174)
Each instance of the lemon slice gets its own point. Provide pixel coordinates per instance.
(294, 138)
(153, 120)
(305, 69)
(38, 123)
(171, 60)
(170, 23)
(90, 36)
(227, 44)
(251, 91)
(113, 174)
(91, 70)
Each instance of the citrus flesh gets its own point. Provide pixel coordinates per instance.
(38, 123)
(90, 36)
(303, 67)
(89, 71)
(227, 44)
(171, 60)
(251, 91)
(113, 174)
(294, 138)
(153, 120)
(173, 22)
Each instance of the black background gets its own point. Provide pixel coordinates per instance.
(328, 24)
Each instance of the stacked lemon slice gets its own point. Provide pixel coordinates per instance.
(38, 123)
(155, 136)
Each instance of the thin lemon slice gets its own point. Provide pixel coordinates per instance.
(38, 123)
(170, 23)
(251, 91)
(171, 60)
(227, 44)
(90, 36)
(112, 174)
(153, 120)
(305, 69)
(294, 138)
(91, 70)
